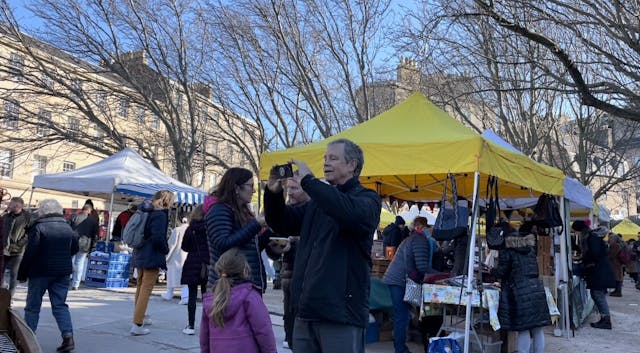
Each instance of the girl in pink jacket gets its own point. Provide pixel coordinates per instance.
(234, 317)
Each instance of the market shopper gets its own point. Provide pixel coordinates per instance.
(14, 238)
(231, 223)
(195, 269)
(615, 246)
(150, 257)
(412, 260)
(596, 269)
(234, 317)
(122, 220)
(175, 261)
(330, 284)
(87, 228)
(47, 266)
(523, 303)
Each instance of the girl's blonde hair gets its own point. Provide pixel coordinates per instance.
(163, 199)
(232, 268)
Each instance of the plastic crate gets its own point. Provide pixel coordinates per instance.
(117, 283)
(113, 274)
(98, 265)
(99, 256)
(104, 246)
(95, 282)
(119, 257)
(118, 266)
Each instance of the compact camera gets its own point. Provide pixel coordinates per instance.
(284, 171)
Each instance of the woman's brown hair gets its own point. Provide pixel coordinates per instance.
(232, 268)
(197, 214)
(227, 193)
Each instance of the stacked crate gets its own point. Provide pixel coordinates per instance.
(108, 270)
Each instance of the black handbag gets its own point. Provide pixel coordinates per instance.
(494, 234)
(546, 213)
(452, 221)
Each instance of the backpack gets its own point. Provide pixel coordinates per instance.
(624, 255)
(133, 232)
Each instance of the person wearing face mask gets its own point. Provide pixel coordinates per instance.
(330, 284)
(230, 223)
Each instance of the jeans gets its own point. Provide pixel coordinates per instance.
(600, 299)
(12, 263)
(525, 338)
(191, 305)
(79, 262)
(144, 286)
(325, 337)
(289, 312)
(400, 319)
(58, 287)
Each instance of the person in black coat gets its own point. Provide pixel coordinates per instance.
(523, 303)
(194, 270)
(150, 257)
(597, 270)
(47, 266)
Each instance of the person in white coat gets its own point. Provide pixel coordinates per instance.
(175, 260)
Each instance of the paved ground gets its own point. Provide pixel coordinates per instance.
(102, 320)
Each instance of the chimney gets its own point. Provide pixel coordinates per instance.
(203, 89)
(408, 74)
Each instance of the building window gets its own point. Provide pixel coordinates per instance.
(6, 163)
(68, 166)
(47, 82)
(101, 101)
(39, 165)
(16, 66)
(124, 108)
(99, 136)
(179, 102)
(11, 115)
(73, 127)
(155, 122)
(213, 148)
(44, 121)
(76, 88)
(230, 154)
(140, 115)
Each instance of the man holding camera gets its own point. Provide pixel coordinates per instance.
(330, 284)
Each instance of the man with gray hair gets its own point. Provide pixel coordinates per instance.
(330, 283)
(14, 232)
(47, 265)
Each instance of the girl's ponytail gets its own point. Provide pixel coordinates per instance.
(221, 293)
(231, 267)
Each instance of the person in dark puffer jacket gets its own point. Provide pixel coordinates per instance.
(150, 257)
(230, 223)
(195, 244)
(47, 265)
(523, 302)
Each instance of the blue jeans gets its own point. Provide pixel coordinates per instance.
(79, 262)
(600, 300)
(58, 288)
(326, 337)
(400, 319)
(12, 263)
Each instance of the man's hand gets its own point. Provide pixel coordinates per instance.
(303, 170)
(273, 184)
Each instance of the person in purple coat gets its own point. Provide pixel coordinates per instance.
(234, 317)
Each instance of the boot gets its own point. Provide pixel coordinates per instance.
(67, 345)
(604, 323)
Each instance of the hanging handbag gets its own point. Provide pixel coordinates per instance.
(413, 287)
(494, 235)
(412, 293)
(452, 221)
(546, 213)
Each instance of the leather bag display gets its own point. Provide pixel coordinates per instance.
(453, 218)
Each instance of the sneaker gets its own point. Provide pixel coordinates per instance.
(183, 301)
(166, 296)
(285, 344)
(189, 331)
(147, 321)
(138, 330)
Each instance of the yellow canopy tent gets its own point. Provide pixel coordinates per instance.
(627, 229)
(410, 148)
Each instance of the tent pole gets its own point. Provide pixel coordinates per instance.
(472, 246)
(110, 226)
(30, 198)
(564, 265)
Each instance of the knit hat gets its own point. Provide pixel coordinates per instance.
(579, 226)
(399, 220)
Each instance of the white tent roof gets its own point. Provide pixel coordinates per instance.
(125, 172)
(579, 195)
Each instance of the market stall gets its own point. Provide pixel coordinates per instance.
(409, 151)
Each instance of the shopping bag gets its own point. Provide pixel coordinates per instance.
(453, 216)
(444, 345)
(413, 293)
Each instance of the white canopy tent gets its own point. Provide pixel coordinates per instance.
(123, 174)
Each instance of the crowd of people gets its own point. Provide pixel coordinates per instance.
(327, 223)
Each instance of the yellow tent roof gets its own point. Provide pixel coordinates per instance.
(410, 148)
(627, 229)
